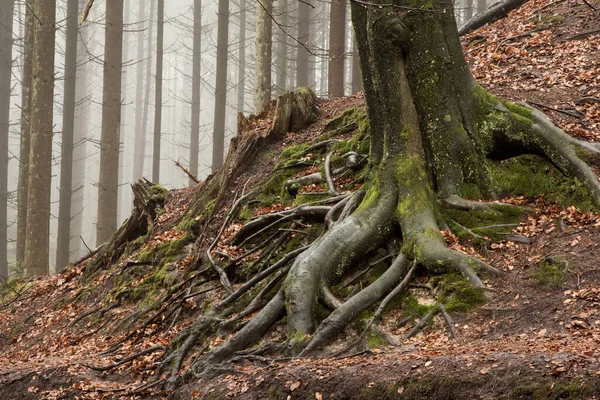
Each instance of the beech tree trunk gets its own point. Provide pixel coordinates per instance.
(221, 85)
(37, 240)
(25, 142)
(302, 54)
(282, 48)
(141, 155)
(337, 46)
(356, 78)
(196, 90)
(241, 73)
(160, 23)
(66, 161)
(6, 59)
(140, 137)
(262, 82)
(111, 122)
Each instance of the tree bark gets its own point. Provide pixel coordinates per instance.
(468, 10)
(111, 122)
(40, 167)
(142, 147)
(78, 189)
(241, 73)
(140, 135)
(337, 46)
(63, 250)
(356, 78)
(196, 90)
(160, 21)
(282, 49)
(303, 36)
(221, 85)
(264, 44)
(25, 143)
(6, 60)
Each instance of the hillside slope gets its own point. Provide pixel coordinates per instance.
(538, 336)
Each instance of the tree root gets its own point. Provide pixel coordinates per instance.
(127, 359)
(422, 323)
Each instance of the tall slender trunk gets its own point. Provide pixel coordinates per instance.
(142, 145)
(139, 142)
(6, 42)
(66, 152)
(111, 122)
(262, 82)
(124, 192)
(25, 142)
(282, 48)
(302, 54)
(37, 241)
(80, 144)
(221, 85)
(241, 87)
(160, 21)
(196, 89)
(337, 46)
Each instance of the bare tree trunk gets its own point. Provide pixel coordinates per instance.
(282, 49)
(142, 154)
(264, 44)
(111, 122)
(196, 89)
(337, 35)
(25, 143)
(124, 192)
(160, 21)
(221, 85)
(6, 42)
(241, 87)
(66, 152)
(303, 37)
(40, 167)
(79, 147)
(138, 162)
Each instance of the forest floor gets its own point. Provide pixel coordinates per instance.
(538, 337)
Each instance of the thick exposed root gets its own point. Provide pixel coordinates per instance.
(459, 203)
(347, 312)
(330, 255)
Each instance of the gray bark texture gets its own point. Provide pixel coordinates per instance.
(25, 142)
(196, 89)
(111, 122)
(282, 48)
(6, 61)
(241, 73)
(494, 13)
(37, 238)
(221, 85)
(303, 36)
(63, 250)
(337, 46)
(140, 135)
(160, 23)
(264, 46)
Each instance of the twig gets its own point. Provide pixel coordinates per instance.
(448, 320)
(86, 11)
(187, 172)
(424, 321)
(126, 359)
